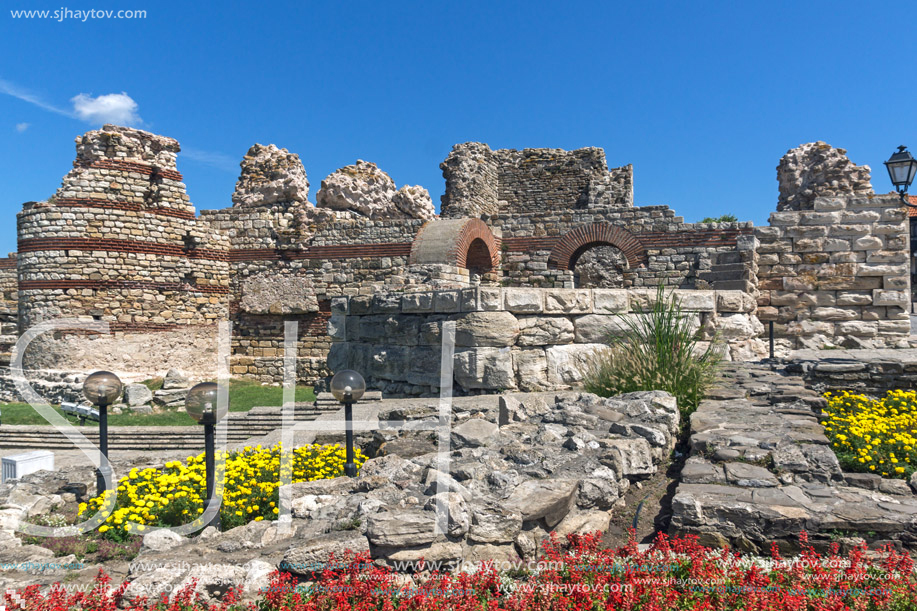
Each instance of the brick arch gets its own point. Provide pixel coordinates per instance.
(449, 241)
(571, 245)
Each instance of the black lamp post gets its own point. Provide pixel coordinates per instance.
(901, 168)
(201, 404)
(348, 386)
(102, 388)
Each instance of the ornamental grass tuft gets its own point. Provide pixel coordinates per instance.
(658, 349)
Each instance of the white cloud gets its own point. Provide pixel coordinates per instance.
(21, 127)
(220, 161)
(118, 108)
(27, 96)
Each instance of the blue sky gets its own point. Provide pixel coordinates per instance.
(702, 97)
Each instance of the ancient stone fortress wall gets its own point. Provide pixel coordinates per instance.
(481, 181)
(833, 266)
(528, 339)
(118, 242)
(9, 306)
(289, 257)
(553, 208)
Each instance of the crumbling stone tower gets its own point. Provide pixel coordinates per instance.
(118, 242)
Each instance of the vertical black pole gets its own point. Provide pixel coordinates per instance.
(209, 452)
(104, 467)
(350, 469)
(771, 327)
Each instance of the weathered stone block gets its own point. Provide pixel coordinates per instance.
(819, 218)
(890, 298)
(417, 303)
(568, 301)
(339, 305)
(837, 245)
(486, 329)
(827, 204)
(809, 327)
(548, 500)
(597, 328)
(895, 327)
(809, 245)
(868, 242)
(859, 328)
(531, 367)
(446, 301)
(490, 298)
(609, 301)
(545, 330)
(523, 300)
(836, 313)
(386, 303)
(567, 363)
(854, 298)
(738, 326)
(697, 301)
(484, 368)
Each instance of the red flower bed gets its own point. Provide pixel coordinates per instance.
(676, 574)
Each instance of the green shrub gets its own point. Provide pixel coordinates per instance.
(726, 218)
(658, 350)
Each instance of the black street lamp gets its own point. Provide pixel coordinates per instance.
(348, 386)
(102, 388)
(201, 404)
(901, 168)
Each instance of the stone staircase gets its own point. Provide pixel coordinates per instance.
(728, 272)
(241, 427)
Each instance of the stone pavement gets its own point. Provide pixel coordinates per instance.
(762, 470)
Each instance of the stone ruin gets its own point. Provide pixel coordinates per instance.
(529, 230)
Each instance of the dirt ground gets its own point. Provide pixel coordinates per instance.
(656, 494)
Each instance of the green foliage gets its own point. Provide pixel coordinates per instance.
(246, 394)
(726, 218)
(153, 384)
(243, 395)
(658, 350)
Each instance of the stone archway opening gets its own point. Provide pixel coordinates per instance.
(599, 265)
(479, 259)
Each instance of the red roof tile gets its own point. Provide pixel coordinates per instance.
(912, 212)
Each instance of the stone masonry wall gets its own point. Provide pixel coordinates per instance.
(118, 242)
(837, 275)
(345, 254)
(481, 181)
(671, 252)
(9, 306)
(508, 338)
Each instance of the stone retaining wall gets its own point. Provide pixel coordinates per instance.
(508, 338)
(837, 275)
(872, 372)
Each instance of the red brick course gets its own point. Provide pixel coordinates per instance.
(26, 285)
(73, 202)
(131, 166)
(126, 246)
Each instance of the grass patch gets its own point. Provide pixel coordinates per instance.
(243, 395)
(658, 350)
(246, 394)
(153, 384)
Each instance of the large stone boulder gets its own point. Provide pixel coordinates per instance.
(367, 190)
(270, 175)
(137, 394)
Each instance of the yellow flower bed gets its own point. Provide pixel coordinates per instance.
(874, 436)
(175, 495)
